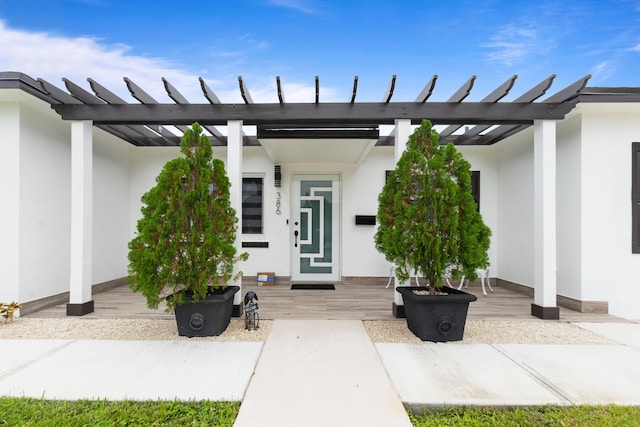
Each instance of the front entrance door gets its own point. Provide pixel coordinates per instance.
(315, 228)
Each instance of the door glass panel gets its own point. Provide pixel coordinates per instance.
(316, 226)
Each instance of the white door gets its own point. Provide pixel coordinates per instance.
(315, 228)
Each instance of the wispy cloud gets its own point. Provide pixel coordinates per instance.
(513, 44)
(299, 5)
(233, 56)
(602, 71)
(636, 48)
(52, 57)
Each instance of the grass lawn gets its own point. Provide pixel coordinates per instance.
(583, 416)
(38, 412)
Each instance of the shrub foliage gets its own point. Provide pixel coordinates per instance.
(185, 240)
(428, 220)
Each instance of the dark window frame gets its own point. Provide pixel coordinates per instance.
(252, 210)
(635, 197)
(475, 187)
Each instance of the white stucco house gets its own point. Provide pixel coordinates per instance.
(559, 185)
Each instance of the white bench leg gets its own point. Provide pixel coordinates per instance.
(391, 276)
(489, 283)
(452, 286)
(485, 274)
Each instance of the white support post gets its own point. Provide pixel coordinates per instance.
(544, 141)
(402, 131)
(80, 302)
(234, 171)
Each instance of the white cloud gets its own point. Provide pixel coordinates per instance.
(636, 48)
(299, 5)
(602, 71)
(512, 45)
(52, 57)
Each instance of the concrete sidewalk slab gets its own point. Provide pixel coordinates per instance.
(593, 374)
(433, 375)
(320, 373)
(20, 354)
(137, 370)
(624, 333)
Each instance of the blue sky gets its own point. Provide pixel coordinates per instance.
(336, 40)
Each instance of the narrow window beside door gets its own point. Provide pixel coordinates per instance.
(252, 204)
(475, 187)
(635, 197)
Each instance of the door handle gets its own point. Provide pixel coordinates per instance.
(295, 234)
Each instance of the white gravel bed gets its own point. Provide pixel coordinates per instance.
(120, 329)
(388, 331)
(493, 332)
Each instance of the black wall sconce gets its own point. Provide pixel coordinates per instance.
(277, 176)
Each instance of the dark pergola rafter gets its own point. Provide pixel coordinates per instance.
(219, 138)
(495, 96)
(530, 96)
(145, 122)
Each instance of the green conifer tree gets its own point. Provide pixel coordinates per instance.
(428, 220)
(185, 240)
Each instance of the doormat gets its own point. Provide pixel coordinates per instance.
(314, 286)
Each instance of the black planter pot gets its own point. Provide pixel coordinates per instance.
(206, 317)
(437, 318)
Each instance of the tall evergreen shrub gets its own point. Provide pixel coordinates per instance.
(185, 242)
(428, 220)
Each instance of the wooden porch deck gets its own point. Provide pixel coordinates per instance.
(348, 301)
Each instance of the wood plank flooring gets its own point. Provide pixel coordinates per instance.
(348, 301)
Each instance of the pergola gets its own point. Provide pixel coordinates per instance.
(144, 122)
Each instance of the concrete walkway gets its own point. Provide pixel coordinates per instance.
(327, 372)
(320, 373)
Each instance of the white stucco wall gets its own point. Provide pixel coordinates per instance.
(361, 186)
(609, 269)
(515, 208)
(484, 159)
(594, 259)
(145, 165)
(568, 207)
(45, 213)
(111, 206)
(36, 209)
(275, 258)
(9, 197)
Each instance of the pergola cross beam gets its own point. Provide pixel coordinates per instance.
(488, 121)
(324, 114)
